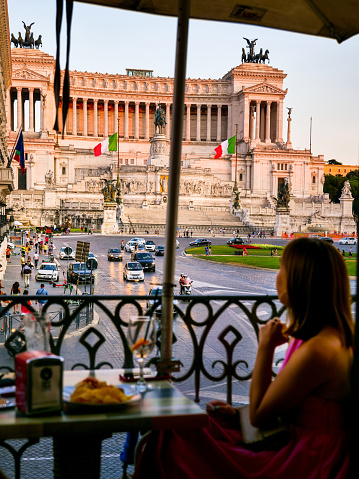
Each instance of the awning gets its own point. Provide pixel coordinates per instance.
(323, 18)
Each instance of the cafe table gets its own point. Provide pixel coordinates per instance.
(77, 436)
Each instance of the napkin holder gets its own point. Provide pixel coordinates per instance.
(38, 382)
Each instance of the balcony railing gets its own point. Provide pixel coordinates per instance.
(214, 339)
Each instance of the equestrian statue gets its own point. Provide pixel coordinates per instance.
(160, 119)
(29, 40)
(251, 56)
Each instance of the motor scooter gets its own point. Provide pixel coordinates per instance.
(187, 287)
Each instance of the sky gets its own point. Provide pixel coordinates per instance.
(322, 76)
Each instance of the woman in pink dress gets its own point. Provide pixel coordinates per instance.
(311, 391)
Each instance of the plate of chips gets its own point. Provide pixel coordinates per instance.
(98, 395)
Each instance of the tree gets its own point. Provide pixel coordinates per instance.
(333, 162)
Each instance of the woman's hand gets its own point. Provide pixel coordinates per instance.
(220, 408)
(271, 334)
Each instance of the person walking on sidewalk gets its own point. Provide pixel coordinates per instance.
(26, 271)
(8, 252)
(25, 309)
(36, 259)
(15, 291)
(41, 292)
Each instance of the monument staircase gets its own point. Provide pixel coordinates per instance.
(197, 220)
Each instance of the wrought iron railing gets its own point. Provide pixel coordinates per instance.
(203, 326)
(215, 339)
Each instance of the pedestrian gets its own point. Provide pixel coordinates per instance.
(350, 252)
(224, 231)
(8, 252)
(209, 251)
(82, 229)
(191, 233)
(206, 250)
(85, 229)
(6, 315)
(15, 291)
(275, 252)
(271, 252)
(24, 308)
(45, 248)
(41, 292)
(245, 252)
(26, 271)
(36, 259)
(40, 247)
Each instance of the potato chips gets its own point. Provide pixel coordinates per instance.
(93, 391)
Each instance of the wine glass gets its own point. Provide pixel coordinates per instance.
(141, 335)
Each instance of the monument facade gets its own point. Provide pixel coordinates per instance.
(249, 98)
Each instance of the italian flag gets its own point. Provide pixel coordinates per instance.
(227, 147)
(110, 144)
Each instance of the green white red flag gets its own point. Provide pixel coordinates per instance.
(110, 144)
(227, 147)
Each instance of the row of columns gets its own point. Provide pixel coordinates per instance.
(147, 119)
(258, 122)
(19, 98)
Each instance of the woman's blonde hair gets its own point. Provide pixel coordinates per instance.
(317, 289)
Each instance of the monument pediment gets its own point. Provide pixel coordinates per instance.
(28, 75)
(264, 87)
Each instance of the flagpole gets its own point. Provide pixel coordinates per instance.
(118, 150)
(235, 176)
(13, 148)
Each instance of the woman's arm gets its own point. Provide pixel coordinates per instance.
(311, 366)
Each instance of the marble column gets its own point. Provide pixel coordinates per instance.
(105, 114)
(168, 119)
(245, 121)
(84, 111)
(258, 118)
(219, 122)
(198, 131)
(43, 123)
(279, 132)
(229, 125)
(115, 121)
(268, 140)
(188, 120)
(147, 122)
(209, 119)
(126, 118)
(137, 119)
(31, 109)
(95, 119)
(8, 110)
(248, 177)
(19, 107)
(251, 124)
(74, 116)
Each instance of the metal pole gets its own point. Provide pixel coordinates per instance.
(174, 178)
(235, 176)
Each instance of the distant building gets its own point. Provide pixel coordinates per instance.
(342, 170)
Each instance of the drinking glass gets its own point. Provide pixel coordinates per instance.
(37, 331)
(141, 335)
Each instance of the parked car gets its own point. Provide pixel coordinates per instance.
(235, 241)
(114, 254)
(150, 246)
(146, 260)
(160, 250)
(63, 255)
(200, 242)
(328, 239)
(48, 272)
(157, 292)
(133, 271)
(348, 240)
(79, 272)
